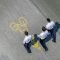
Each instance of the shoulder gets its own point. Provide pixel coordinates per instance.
(41, 33)
(47, 24)
(46, 32)
(53, 22)
(29, 36)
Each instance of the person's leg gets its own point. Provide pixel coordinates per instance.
(27, 48)
(43, 45)
(54, 37)
(53, 34)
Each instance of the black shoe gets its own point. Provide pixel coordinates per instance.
(54, 41)
(29, 51)
(46, 49)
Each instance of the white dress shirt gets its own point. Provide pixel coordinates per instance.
(27, 39)
(43, 34)
(50, 25)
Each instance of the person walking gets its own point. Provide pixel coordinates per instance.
(27, 41)
(43, 35)
(50, 27)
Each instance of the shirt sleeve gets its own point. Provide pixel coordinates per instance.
(40, 36)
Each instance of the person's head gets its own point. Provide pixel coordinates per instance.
(43, 28)
(26, 33)
(48, 20)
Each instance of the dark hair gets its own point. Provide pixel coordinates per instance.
(26, 33)
(48, 19)
(43, 28)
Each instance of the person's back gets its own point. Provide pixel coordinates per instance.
(44, 33)
(27, 39)
(50, 25)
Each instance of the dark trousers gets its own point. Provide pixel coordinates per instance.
(27, 47)
(53, 34)
(42, 42)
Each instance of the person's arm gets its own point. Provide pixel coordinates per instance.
(40, 36)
